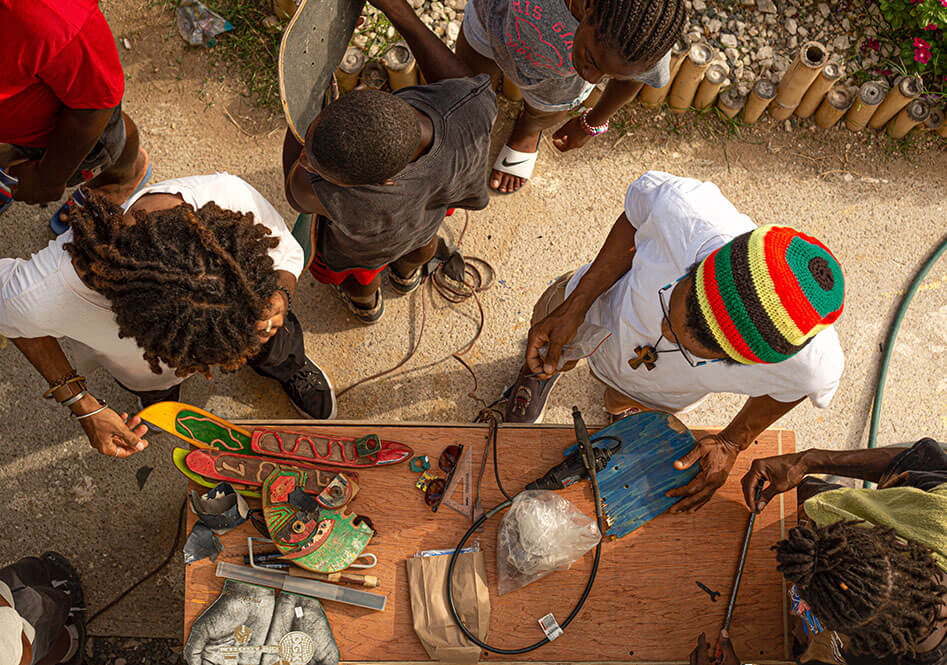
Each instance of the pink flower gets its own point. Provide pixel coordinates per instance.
(943, 2)
(886, 72)
(922, 56)
(873, 44)
(930, 26)
(921, 44)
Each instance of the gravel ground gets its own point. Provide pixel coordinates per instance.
(132, 651)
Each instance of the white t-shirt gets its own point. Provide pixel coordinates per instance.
(678, 222)
(12, 629)
(43, 296)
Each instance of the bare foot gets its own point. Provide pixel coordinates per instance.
(505, 182)
(119, 190)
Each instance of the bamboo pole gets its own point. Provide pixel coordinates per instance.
(905, 89)
(652, 98)
(833, 107)
(731, 101)
(401, 65)
(797, 79)
(688, 77)
(831, 73)
(374, 76)
(511, 91)
(285, 8)
(353, 62)
(910, 117)
(714, 78)
(935, 120)
(870, 95)
(761, 95)
(942, 131)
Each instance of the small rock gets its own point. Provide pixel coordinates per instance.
(803, 31)
(841, 43)
(453, 30)
(732, 54)
(457, 5)
(791, 26)
(767, 6)
(390, 33)
(699, 5)
(120, 661)
(748, 3)
(792, 42)
(846, 24)
(765, 53)
(740, 27)
(127, 44)
(728, 40)
(824, 9)
(787, 126)
(714, 25)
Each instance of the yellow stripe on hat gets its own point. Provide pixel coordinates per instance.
(766, 290)
(711, 320)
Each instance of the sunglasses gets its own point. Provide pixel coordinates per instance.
(666, 312)
(447, 462)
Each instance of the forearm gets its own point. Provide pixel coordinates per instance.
(869, 464)
(45, 354)
(437, 62)
(617, 94)
(614, 260)
(757, 414)
(75, 135)
(287, 280)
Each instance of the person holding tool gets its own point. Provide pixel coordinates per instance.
(689, 297)
(61, 106)
(379, 171)
(868, 567)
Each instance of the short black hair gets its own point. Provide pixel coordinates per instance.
(365, 137)
(865, 582)
(695, 321)
(640, 30)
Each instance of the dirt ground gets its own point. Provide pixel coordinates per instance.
(880, 212)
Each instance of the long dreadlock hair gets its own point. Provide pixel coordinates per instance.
(640, 30)
(866, 583)
(188, 285)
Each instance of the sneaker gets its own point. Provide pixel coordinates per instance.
(405, 285)
(528, 396)
(366, 315)
(311, 392)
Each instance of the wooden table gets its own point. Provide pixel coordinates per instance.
(645, 605)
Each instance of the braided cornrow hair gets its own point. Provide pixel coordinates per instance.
(641, 30)
(866, 583)
(188, 285)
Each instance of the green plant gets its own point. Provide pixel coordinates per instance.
(918, 34)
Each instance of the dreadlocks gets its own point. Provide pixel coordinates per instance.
(187, 285)
(641, 30)
(865, 582)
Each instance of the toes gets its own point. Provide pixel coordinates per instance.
(495, 177)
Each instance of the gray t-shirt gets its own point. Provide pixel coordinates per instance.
(531, 42)
(372, 225)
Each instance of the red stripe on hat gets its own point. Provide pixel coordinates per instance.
(719, 309)
(833, 317)
(791, 296)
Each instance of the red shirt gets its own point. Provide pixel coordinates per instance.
(53, 53)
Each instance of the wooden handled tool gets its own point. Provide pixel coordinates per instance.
(345, 578)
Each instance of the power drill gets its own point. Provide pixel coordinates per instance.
(571, 470)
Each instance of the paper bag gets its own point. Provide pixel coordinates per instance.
(436, 628)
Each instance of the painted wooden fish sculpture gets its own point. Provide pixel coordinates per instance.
(205, 430)
(316, 538)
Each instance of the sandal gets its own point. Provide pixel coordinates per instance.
(366, 315)
(516, 163)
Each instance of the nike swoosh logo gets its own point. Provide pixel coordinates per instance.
(508, 163)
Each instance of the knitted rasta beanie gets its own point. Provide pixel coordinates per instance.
(768, 291)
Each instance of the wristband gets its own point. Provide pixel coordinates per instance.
(289, 297)
(592, 130)
(102, 407)
(72, 377)
(75, 398)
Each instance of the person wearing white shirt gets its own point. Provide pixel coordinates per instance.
(191, 274)
(689, 297)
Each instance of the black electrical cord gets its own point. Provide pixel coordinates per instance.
(476, 525)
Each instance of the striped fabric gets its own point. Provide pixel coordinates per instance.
(768, 291)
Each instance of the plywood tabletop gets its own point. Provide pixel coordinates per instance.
(646, 604)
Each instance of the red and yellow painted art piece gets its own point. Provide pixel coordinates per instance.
(315, 538)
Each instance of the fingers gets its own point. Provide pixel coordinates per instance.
(552, 358)
(695, 502)
(129, 440)
(688, 460)
(753, 479)
(538, 338)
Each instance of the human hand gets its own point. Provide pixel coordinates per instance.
(241, 610)
(554, 332)
(34, 185)
(570, 136)
(783, 472)
(274, 315)
(716, 456)
(115, 435)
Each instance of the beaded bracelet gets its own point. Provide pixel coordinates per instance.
(592, 130)
(289, 297)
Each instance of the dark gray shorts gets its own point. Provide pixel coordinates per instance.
(104, 153)
(44, 607)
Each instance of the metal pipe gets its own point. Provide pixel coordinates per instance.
(652, 98)
(831, 73)
(730, 101)
(401, 65)
(511, 91)
(374, 76)
(760, 97)
(353, 62)
(714, 78)
(688, 77)
(833, 107)
(870, 95)
(743, 553)
(910, 117)
(905, 89)
(797, 79)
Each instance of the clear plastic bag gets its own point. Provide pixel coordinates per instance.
(199, 25)
(540, 533)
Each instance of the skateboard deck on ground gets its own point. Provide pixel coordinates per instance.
(203, 429)
(634, 482)
(311, 49)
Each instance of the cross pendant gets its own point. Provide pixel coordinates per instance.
(647, 356)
